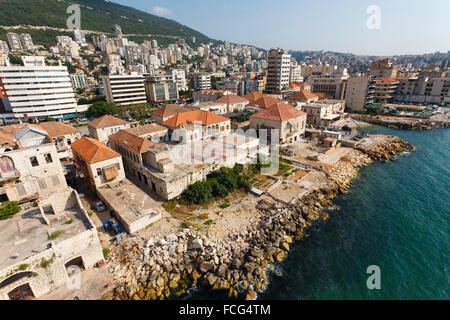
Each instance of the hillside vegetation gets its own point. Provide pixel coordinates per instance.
(96, 15)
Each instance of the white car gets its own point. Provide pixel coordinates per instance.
(100, 206)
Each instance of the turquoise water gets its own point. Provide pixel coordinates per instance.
(395, 216)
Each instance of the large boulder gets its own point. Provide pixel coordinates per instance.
(197, 244)
(206, 266)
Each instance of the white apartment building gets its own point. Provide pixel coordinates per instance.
(115, 65)
(125, 89)
(27, 41)
(36, 91)
(296, 72)
(79, 80)
(332, 85)
(14, 41)
(278, 73)
(4, 49)
(80, 38)
(200, 81)
(179, 76)
(423, 90)
(360, 92)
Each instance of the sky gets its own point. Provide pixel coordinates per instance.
(367, 27)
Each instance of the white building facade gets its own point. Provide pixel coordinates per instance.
(36, 91)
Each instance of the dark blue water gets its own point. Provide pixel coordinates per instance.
(395, 216)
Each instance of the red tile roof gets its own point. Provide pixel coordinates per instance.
(211, 92)
(132, 142)
(303, 95)
(386, 81)
(252, 96)
(92, 150)
(299, 84)
(146, 129)
(169, 110)
(264, 102)
(232, 99)
(6, 139)
(56, 129)
(279, 112)
(106, 121)
(202, 116)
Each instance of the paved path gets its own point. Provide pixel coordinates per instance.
(94, 284)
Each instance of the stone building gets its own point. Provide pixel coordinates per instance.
(304, 96)
(167, 112)
(101, 128)
(194, 125)
(42, 251)
(153, 132)
(233, 102)
(29, 164)
(99, 163)
(104, 169)
(63, 135)
(167, 170)
(290, 122)
(324, 113)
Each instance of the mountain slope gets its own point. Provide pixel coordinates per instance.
(96, 15)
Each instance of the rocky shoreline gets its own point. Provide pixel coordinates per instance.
(157, 269)
(404, 123)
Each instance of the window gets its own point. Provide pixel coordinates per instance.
(55, 180)
(42, 184)
(34, 161)
(48, 158)
(99, 172)
(20, 189)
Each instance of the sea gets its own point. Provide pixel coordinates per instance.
(387, 237)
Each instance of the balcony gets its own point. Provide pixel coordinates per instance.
(10, 175)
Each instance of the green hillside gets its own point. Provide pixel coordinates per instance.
(96, 15)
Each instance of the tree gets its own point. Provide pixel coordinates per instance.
(218, 189)
(198, 193)
(100, 108)
(15, 59)
(228, 179)
(9, 209)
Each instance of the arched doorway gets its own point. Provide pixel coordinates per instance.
(22, 292)
(73, 264)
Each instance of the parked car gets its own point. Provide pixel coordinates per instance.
(100, 206)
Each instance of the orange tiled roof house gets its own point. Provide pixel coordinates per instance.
(99, 163)
(290, 122)
(182, 127)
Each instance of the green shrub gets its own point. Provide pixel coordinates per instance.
(55, 235)
(169, 205)
(198, 193)
(225, 205)
(106, 252)
(9, 209)
(46, 263)
(70, 221)
(209, 222)
(23, 267)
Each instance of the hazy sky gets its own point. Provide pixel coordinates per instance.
(406, 26)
